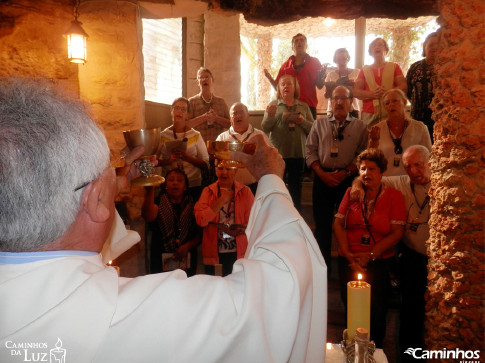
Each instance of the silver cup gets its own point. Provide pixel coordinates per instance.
(150, 139)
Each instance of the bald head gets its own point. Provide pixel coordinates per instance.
(416, 163)
(239, 117)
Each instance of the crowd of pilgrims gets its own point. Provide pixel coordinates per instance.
(363, 136)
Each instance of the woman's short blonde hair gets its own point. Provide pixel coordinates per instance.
(295, 82)
(375, 41)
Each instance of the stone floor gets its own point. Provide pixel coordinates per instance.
(132, 263)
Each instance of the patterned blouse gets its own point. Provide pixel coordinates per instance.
(420, 92)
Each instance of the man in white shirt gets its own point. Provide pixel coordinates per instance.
(413, 257)
(242, 130)
(57, 297)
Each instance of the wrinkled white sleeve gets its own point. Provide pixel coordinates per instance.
(278, 236)
(272, 308)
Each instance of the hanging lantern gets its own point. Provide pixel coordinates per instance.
(76, 40)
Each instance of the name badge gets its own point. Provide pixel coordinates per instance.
(413, 226)
(334, 151)
(365, 239)
(397, 161)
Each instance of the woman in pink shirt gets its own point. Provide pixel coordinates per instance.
(375, 79)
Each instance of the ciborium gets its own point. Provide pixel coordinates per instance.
(221, 150)
(150, 139)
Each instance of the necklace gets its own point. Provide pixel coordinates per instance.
(203, 99)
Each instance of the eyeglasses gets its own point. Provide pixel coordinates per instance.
(201, 78)
(84, 185)
(340, 98)
(177, 108)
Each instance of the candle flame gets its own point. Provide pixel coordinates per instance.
(58, 344)
(359, 277)
(329, 345)
(110, 262)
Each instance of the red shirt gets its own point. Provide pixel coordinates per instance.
(306, 76)
(368, 105)
(389, 209)
(243, 201)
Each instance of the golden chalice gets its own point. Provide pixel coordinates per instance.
(221, 150)
(150, 139)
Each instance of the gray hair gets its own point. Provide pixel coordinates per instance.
(420, 149)
(237, 104)
(49, 147)
(398, 91)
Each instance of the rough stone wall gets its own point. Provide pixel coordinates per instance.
(222, 53)
(455, 306)
(32, 42)
(32, 45)
(195, 52)
(112, 79)
(265, 51)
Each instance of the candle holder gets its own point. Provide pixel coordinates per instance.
(358, 350)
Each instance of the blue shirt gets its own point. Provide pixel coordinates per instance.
(16, 258)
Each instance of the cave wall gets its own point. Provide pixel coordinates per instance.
(31, 41)
(455, 317)
(31, 44)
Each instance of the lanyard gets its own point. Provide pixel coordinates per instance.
(175, 134)
(425, 201)
(247, 136)
(397, 141)
(364, 209)
(337, 131)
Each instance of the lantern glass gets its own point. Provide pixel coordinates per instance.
(76, 48)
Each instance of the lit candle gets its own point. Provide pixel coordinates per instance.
(110, 263)
(358, 306)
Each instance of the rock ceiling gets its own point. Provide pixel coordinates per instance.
(321, 26)
(271, 12)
